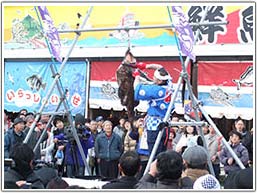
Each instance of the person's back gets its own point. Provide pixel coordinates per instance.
(165, 173)
(195, 162)
(129, 165)
(57, 183)
(240, 179)
(21, 172)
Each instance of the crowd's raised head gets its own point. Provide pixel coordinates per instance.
(235, 132)
(56, 120)
(169, 165)
(129, 163)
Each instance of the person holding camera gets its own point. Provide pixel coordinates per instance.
(59, 144)
(73, 158)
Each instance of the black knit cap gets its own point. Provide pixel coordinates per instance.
(79, 119)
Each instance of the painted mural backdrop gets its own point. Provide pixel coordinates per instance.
(22, 29)
(26, 84)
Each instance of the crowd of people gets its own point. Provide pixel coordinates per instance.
(119, 154)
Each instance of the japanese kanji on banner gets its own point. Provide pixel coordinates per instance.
(51, 32)
(27, 83)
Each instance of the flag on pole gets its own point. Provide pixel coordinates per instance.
(51, 32)
(185, 33)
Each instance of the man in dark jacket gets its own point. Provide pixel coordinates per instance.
(21, 174)
(247, 139)
(165, 173)
(108, 149)
(129, 165)
(14, 135)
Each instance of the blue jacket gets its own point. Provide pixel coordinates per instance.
(71, 153)
(108, 148)
(11, 138)
(241, 153)
(158, 96)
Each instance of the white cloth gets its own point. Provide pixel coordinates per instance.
(207, 181)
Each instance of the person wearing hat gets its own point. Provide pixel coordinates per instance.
(99, 120)
(14, 135)
(158, 95)
(195, 162)
(230, 165)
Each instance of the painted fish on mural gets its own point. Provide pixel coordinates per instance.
(35, 82)
(108, 90)
(221, 97)
(246, 78)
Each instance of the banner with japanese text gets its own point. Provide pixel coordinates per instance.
(21, 27)
(27, 83)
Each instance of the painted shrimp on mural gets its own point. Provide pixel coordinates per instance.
(246, 78)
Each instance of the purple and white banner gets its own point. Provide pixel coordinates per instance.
(185, 33)
(51, 32)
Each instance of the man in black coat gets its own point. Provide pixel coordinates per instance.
(21, 174)
(129, 165)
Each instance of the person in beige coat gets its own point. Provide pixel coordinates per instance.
(129, 143)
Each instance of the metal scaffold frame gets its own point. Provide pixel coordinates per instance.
(195, 105)
(56, 80)
(183, 76)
